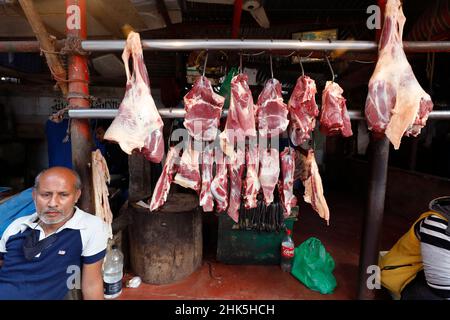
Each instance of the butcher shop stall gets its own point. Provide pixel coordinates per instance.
(207, 133)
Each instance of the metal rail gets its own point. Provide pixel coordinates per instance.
(179, 113)
(224, 44)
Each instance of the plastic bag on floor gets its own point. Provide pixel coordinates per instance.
(314, 266)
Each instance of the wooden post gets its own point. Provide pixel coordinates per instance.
(47, 45)
(80, 133)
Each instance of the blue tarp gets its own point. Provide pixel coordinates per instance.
(18, 206)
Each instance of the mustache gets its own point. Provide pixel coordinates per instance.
(51, 210)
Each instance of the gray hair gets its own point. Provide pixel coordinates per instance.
(77, 178)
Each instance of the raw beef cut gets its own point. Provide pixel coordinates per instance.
(100, 178)
(241, 115)
(269, 172)
(313, 186)
(396, 103)
(203, 108)
(236, 170)
(219, 185)
(138, 124)
(303, 110)
(271, 111)
(188, 174)
(251, 184)
(162, 187)
(286, 185)
(206, 197)
(334, 118)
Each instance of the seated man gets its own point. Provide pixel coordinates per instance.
(418, 266)
(58, 248)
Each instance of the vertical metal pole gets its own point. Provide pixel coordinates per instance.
(374, 216)
(237, 12)
(80, 133)
(373, 221)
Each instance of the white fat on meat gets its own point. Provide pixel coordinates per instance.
(286, 184)
(138, 124)
(269, 172)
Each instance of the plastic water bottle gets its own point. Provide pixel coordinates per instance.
(287, 252)
(112, 273)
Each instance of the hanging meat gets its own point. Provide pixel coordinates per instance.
(313, 185)
(286, 185)
(251, 182)
(303, 110)
(334, 118)
(269, 172)
(206, 197)
(241, 115)
(396, 103)
(271, 111)
(203, 108)
(138, 124)
(236, 171)
(188, 174)
(100, 178)
(162, 187)
(219, 185)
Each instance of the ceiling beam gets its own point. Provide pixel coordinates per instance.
(162, 8)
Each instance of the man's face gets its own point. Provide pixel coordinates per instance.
(56, 196)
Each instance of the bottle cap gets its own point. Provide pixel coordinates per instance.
(288, 232)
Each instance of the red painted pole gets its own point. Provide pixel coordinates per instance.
(237, 12)
(78, 77)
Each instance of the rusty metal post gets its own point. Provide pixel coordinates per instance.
(80, 134)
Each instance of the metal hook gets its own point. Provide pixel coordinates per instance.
(240, 63)
(271, 67)
(204, 65)
(301, 65)
(329, 64)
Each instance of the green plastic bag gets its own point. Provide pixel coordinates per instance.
(313, 266)
(225, 88)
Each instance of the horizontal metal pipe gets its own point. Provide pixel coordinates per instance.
(179, 113)
(223, 44)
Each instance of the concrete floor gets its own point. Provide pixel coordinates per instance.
(215, 280)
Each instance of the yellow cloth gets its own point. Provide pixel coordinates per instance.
(402, 263)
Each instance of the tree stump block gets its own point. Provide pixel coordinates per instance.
(166, 245)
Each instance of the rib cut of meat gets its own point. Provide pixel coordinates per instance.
(138, 124)
(271, 113)
(162, 187)
(396, 103)
(100, 177)
(251, 184)
(286, 185)
(313, 187)
(303, 110)
(236, 170)
(269, 172)
(334, 118)
(203, 108)
(219, 185)
(188, 174)
(241, 115)
(206, 197)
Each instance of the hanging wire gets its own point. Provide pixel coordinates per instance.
(254, 54)
(360, 61)
(240, 63)
(271, 67)
(301, 65)
(204, 65)
(329, 64)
